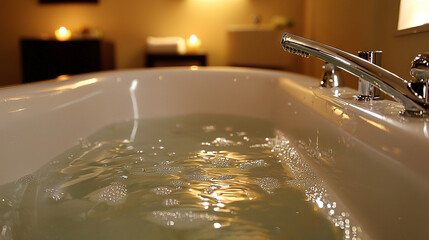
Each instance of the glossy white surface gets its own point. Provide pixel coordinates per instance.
(372, 158)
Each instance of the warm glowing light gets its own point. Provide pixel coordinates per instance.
(63, 30)
(18, 110)
(217, 225)
(62, 77)
(413, 13)
(340, 113)
(62, 34)
(193, 44)
(77, 85)
(375, 124)
(193, 39)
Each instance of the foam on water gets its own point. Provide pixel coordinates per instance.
(114, 194)
(191, 177)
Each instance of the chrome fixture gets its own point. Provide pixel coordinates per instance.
(332, 76)
(366, 91)
(415, 102)
(420, 72)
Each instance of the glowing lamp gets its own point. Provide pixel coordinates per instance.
(62, 34)
(193, 44)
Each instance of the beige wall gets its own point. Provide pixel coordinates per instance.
(128, 22)
(347, 25)
(362, 25)
(399, 51)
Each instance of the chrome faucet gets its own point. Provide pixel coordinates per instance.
(367, 91)
(332, 76)
(412, 95)
(420, 72)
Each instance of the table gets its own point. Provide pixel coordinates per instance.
(188, 59)
(46, 59)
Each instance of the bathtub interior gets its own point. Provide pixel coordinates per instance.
(355, 147)
(42, 120)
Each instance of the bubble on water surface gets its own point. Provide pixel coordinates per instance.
(84, 143)
(182, 192)
(307, 180)
(5, 203)
(114, 194)
(263, 145)
(137, 171)
(222, 142)
(26, 179)
(171, 154)
(197, 174)
(224, 177)
(253, 163)
(178, 183)
(222, 162)
(165, 169)
(170, 202)
(268, 184)
(54, 162)
(54, 194)
(182, 218)
(209, 190)
(161, 190)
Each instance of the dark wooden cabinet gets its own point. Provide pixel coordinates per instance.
(47, 59)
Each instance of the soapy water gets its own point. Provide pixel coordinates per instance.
(190, 177)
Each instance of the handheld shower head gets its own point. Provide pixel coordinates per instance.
(386, 81)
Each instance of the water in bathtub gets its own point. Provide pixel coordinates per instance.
(189, 177)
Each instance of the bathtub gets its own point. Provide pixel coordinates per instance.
(373, 160)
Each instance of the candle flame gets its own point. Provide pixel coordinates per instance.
(193, 39)
(63, 30)
(62, 34)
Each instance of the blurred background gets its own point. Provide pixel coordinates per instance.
(231, 32)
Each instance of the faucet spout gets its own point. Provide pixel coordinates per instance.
(391, 84)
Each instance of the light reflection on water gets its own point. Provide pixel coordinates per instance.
(181, 178)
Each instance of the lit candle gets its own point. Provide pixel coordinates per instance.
(193, 43)
(62, 34)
